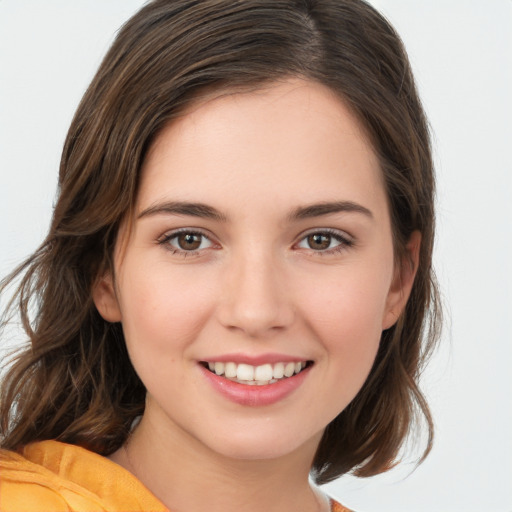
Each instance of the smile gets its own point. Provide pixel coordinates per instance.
(256, 375)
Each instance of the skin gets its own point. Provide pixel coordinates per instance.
(255, 286)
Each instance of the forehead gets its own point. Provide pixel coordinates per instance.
(284, 140)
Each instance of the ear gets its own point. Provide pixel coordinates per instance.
(403, 279)
(105, 298)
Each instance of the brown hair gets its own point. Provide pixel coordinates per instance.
(75, 382)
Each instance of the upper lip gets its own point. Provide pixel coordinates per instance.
(255, 360)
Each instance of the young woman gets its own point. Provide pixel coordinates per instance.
(234, 293)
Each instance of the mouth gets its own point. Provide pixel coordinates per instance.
(260, 375)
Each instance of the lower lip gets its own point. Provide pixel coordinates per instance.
(255, 396)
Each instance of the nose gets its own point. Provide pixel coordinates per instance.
(255, 298)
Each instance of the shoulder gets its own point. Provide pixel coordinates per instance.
(54, 476)
(26, 487)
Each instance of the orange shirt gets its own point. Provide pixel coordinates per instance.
(55, 477)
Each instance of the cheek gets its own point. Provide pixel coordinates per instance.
(163, 310)
(347, 316)
(351, 301)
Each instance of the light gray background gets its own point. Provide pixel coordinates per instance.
(461, 51)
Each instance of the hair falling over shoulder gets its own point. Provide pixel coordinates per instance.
(73, 381)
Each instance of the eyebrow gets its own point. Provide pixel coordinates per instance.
(184, 208)
(205, 211)
(327, 208)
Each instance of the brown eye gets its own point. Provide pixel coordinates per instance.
(189, 241)
(325, 242)
(319, 241)
(184, 242)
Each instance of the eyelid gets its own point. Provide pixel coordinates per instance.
(345, 240)
(169, 235)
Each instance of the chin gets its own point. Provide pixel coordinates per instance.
(249, 445)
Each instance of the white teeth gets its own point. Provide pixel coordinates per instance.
(278, 372)
(289, 369)
(230, 370)
(244, 372)
(219, 368)
(263, 372)
(256, 375)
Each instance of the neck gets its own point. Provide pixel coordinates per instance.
(186, 476)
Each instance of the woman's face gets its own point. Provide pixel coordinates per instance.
(261, 248)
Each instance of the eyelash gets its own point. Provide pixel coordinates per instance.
(344, 241)
(166, 239)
